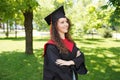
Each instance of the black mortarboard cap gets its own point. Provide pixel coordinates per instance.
(55, 15)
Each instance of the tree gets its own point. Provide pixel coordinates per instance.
(27, 7)
(41, 12)
(115, 15)
(9, 8)
(6, 14)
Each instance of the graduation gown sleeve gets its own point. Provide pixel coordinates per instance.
(52, 54)
(80, 63)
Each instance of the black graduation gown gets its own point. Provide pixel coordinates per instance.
(52, 71)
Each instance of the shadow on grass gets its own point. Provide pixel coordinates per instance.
(96, 40)
(116, 40)
(102, 63)
(20, 66)
(13, 38)
(89, 41)
(42, 39)
(23, 38)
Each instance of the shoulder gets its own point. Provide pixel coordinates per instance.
(49, 43)
(51, 50)
(75, 46)
(51, 46)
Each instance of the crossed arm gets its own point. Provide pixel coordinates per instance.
(67, 63)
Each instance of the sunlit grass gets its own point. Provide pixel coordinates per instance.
(102, 59)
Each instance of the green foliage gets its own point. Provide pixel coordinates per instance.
(115, 16)
(11, 9)
(25, 5)
(91, 9)
(84, 14)
(6, 10)
(104, 6)
(40, 13)
(107, 34)
(115, 3)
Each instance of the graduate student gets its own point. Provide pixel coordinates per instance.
(62, 59)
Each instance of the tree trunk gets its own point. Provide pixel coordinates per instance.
(28, 18)
(15, 30)
(3, 27)
(0, 24)
(7, 33)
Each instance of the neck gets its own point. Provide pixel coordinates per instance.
(62, 35)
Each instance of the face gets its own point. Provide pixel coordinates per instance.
(62, 25)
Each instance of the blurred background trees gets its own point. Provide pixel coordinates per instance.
(86, 15)
(100, 17)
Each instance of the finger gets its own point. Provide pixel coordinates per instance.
(58, 62)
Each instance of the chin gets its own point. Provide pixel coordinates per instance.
(66, 31)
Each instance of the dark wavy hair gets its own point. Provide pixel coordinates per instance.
(56, 37)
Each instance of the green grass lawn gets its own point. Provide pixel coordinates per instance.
(102, 59)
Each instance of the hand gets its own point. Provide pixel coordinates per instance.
(64, 62)
(78, 53)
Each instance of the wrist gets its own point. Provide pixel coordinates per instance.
(72, 62)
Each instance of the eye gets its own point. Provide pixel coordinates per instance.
(62, 22)
(66, 21)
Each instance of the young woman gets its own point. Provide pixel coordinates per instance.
(62, 59)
